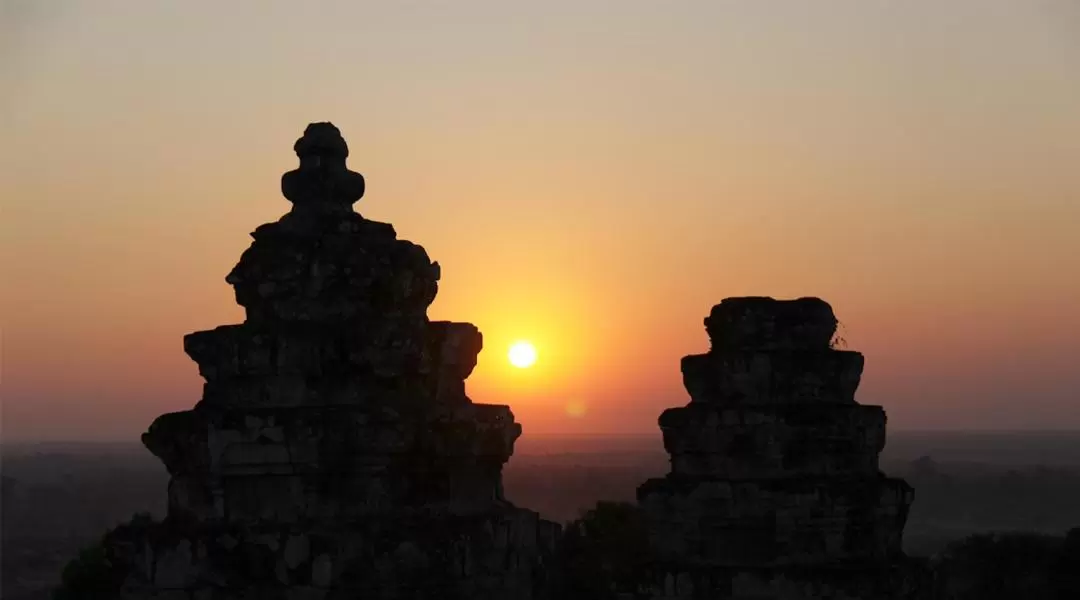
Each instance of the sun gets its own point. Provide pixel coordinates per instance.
(522, 355)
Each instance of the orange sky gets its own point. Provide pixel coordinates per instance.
(592, 178)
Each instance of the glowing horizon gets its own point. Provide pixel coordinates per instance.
(592, 178)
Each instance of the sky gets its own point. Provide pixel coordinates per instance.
(591, 176)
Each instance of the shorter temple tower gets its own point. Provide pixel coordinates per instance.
(774, 491)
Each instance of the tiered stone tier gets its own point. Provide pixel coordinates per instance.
(774, 490)
(335, 453)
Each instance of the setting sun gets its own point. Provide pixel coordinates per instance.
(522, 355)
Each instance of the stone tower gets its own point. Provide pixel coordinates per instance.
(774, 490)
(334, 453)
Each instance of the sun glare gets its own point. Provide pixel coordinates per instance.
(576, 408)
(522, 355)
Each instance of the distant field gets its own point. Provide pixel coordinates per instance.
(59, 497)
(1025, 448)
(1049, 448)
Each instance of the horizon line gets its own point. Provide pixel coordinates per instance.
(584, 436)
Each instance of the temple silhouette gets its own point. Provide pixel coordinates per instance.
(774, 489)
(335, 454)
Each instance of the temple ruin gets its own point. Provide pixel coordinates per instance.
(334, 453)
(774, 490)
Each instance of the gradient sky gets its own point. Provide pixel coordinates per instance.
(592, 176)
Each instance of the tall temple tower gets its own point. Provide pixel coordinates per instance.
(334, 453)
(774, 490)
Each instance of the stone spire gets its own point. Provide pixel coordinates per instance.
(774, 490)
(334, 452)
(322, 182)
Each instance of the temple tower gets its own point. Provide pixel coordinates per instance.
(334, 453)
(774, 490)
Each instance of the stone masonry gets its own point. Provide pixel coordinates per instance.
(774, 490)
(334, 453)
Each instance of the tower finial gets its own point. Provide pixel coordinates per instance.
(322, 182)
(321, 139)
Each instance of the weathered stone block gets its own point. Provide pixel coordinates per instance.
(773, 522)
(285, 391)
(773, 441)
(174, 567)
(454, 347)
(275, 498)
(331, 268)
(760, 323)
(781, 377)
(195, 497)
(388, 347)
(297, 550)
(222, 441)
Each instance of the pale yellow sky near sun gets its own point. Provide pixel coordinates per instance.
(592, 177)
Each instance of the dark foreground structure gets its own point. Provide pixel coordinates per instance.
(774, 490)
(334, 453)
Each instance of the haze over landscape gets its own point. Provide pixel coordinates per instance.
(591, 178)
